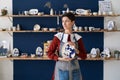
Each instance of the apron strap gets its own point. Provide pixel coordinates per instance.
(75, 38)
(75, 41)
(62, 37)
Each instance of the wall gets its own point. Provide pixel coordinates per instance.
(108, 37)
(6, 66)
(5, 22)
(23, 40)
(112, 70)
(111, 40)
(6, 70)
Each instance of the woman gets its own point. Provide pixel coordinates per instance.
(66, 68)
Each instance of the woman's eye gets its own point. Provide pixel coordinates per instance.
(65, 21)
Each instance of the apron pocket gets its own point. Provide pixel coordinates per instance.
(76, 74)
(63, 75)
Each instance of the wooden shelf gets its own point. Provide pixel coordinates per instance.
(33, 31)
(111, 30)
(60, 15)
(46, 58)
(27, 58)
(27, 31)
(115, 15)
(6, 31)
(58, 31)
(30, 16)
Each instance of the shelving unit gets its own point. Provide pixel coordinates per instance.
(27, 40)
(35, 16)
(103, 30)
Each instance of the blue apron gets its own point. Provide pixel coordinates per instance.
(67, 70)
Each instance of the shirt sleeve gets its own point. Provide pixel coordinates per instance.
(82, 52)
(52, 49)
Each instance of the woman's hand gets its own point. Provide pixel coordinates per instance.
(65, 59)
(72, 43)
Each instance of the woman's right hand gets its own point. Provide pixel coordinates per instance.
(65, 59)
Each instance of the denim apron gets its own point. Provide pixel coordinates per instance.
(67, 70)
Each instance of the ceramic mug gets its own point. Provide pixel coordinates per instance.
(80, 28)
(26, 12)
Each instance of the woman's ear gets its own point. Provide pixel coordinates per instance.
(73, 22)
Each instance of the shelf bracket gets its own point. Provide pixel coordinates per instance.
(10, 34)
(10, 19)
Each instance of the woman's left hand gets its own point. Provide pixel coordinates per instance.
(73, 44)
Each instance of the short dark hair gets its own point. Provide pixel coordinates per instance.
(70, 15)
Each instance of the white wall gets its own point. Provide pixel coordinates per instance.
(6, 22)
(6, 70)
(112, 70)
(111, 40)
(6, 66)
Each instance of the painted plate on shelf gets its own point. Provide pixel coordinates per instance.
(111, 25)
(15, 52)
(107, 52)
(93, 52)
(33, 11)
(36, 27)
(80, 11)
(39, 51)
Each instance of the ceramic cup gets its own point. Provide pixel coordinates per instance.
(26, 12)
(116, 56)
(85, 28)
(32, 55)
(76, 29)
(104, 13)
(91, 28)
(14, 28)
(80, 28)
(99, 13)
(95, 13)
(110, 13)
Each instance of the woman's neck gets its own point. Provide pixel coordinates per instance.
(68, 31)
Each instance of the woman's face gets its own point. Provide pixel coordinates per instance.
(67, 23)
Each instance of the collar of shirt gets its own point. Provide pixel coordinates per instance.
(68, 37)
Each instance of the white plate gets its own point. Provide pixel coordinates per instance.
(80, 11)
(33, 11)
(68, 51)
